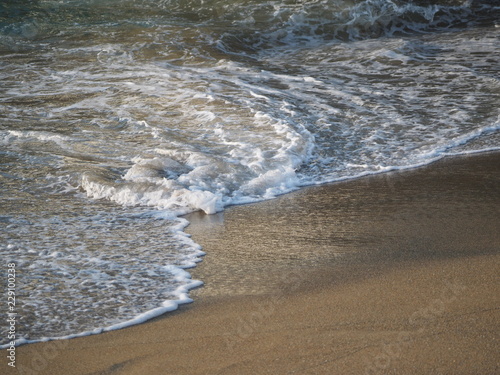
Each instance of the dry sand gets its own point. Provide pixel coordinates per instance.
(388, 274)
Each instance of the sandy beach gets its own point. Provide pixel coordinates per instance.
(388, 274)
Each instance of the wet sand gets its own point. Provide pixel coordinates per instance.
(388, 274)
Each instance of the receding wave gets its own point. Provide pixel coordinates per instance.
(117, 116)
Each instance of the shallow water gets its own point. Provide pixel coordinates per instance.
(118, 116)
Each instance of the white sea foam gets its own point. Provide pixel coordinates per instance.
(108, 137)
(115, 278)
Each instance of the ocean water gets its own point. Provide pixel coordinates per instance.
(119, 116)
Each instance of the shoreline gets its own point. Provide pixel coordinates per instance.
(288, 282)
(360, 211)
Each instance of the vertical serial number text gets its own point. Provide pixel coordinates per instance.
(11, 313)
